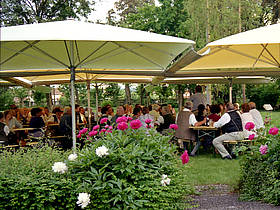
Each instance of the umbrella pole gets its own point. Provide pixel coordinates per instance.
(73, 107)
(89, 110)
(230, 90)
(96, 102)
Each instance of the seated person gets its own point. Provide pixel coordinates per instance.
(136, 113)
(232, 129)
(4, 130)
(65, 123)
(36, 122)
(120, 113)
(12, 123)
(167, 117)
(246, 117)
(82, 117)
(258, 120)
(105, 111)
(186, 118)
(214, 113)
(146, 116)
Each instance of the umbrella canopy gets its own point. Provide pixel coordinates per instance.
(73, 46)
(48, 46)
(255, 52)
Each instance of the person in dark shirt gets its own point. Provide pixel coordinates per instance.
(215, 110)
(36, 122)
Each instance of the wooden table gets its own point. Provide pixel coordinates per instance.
(23, 129)
(205, 131)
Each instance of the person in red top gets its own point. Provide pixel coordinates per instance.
(215, 110)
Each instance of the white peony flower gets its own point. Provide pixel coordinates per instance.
(163, 176)
(165, 180)
(72, 157)
(59, 167)
(101, 151)
(83, 200)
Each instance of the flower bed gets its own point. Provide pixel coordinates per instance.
(129, 167)
(260, 168)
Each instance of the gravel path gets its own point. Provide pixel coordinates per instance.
(220, 197)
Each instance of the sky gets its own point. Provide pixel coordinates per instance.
(101, 9)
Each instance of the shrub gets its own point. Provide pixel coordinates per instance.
(119, 170)
(130, 175)
(28, 182)
(260, 170)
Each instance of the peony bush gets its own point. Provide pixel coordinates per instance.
(260, 168)
(117, 168)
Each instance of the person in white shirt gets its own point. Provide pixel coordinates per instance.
(258, 120)
(198, 98)
(184, 119)
(4, 130)
(232, 129)
(246, 117)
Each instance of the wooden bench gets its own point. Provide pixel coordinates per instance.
(232, 143)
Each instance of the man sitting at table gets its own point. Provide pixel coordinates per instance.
(231, 125)
(257, 117)
(185, 119)
(4, 130)
(36, 122)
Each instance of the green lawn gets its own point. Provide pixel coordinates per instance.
(208, 169)
(275, 117)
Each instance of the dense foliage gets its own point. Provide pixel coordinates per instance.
(260, 169)
(127, 175)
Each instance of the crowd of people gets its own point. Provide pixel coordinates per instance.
(196, 112)
(228, 117)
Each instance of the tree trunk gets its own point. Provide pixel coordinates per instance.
(142, 94)
(49, 99)
(180, 97)
(128, 94)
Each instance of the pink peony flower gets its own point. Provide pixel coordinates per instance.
(103, 120)
(83, 131)
(173, 126)
(110, 127)
(107, 126)
(103, 130)
(251, 137)
(121, 119)
(249, 126)
(122, 126)
(135, 124)
(148, 121)
(109, 131)
(185, 157)
(93, 133)
(263, 149)
(79, 136)
(148, 126)
(273, 131)
(96, 127)
(129, 118)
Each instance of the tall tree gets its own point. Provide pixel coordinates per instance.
(18, 12)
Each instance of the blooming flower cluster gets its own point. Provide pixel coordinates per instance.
(59, 167)
(122, 126)
(103, 120)
(263, 149)
(249, 126)
(251, 137)
(273, 131)
(102, 151)
(135, 124)
(185, 157)
(72, 157)
(165, 180)
(83, 200)
(173, 126)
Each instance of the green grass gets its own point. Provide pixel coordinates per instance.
(207, 169)
(275, 117)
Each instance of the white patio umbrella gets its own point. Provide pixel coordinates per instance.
(251, 53)
(74, 46)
